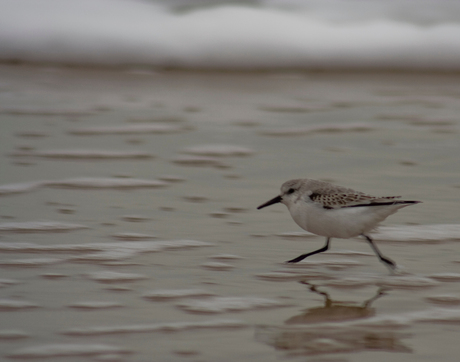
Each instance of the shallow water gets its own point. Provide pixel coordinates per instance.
(129, 231)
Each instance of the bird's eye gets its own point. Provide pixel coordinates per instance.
(290, 191)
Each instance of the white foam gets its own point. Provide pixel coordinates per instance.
(8, 282)
(13, 304)
(334, 264)
(219, 214)
(58, 350)
(82, 183)
(121, 251)
(105, 183)
(116, 32)
(108, 276)
(225, 257)
(90, 305)
(168, 294)
(53, 275)
(7, 334)
(445, 277)
(140, 246)
(217, 266)
(158, 327)
(408, 282)
(135, 218)
(235, 209)
(229, 304)
(132, 236)
(195, 198)
(419, 233)
(39, 226)
(350, 282)
(219, 151)
(102, 252)
(445, 299)
(85, 154)
(280, 276)
(129, 130)
(200, 161)
(293, 274)
(32, 262)
(172, 178)
(19, 188)
(57, 111)
(435, 315)
(307, 130)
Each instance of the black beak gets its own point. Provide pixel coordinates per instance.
(271, 202)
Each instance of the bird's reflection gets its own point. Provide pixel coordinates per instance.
(335, 311)
(331, 329)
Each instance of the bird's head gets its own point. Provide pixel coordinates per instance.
(290, 192)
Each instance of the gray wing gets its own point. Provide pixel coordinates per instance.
(347, 199)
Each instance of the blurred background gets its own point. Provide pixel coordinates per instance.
(138, 138)
(217, 34)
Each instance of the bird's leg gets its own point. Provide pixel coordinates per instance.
(303, 256)
(388, 262)
(381, 292)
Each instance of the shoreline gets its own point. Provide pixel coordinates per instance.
(129, 214)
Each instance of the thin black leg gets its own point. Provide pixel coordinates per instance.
(382, 258)
(303, 256)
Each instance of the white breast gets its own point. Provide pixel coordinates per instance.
(339, 223)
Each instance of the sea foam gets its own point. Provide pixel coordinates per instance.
(266, 35)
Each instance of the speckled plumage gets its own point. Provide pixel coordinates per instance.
(332, 196)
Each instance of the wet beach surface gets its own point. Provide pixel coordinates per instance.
(129, 229)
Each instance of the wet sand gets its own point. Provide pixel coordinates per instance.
(129, 229)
